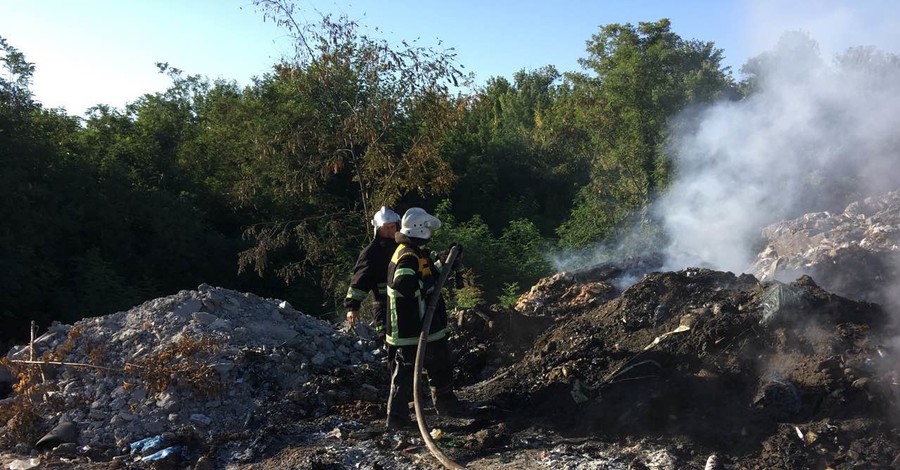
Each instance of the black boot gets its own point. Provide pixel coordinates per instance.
(397, 422)
(446, 403)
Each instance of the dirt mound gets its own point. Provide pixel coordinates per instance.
(855, 253)
(486, 339)
(765, 374)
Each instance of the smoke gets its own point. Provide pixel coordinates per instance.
(813, 135)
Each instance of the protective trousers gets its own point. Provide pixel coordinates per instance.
(402, 361)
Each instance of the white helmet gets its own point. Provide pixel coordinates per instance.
(384, 216)
(418, 223)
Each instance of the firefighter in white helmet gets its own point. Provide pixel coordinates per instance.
(370, 271)
(411, 277)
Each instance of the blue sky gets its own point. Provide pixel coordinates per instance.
(103, 51)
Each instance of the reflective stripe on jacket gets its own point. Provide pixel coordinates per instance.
(411, 276)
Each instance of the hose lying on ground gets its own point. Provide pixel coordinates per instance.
(420, 358)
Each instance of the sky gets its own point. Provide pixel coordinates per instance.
(89, 52)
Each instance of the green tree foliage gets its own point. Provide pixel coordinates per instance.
(504, 152)
(351, 124)
(643, 76)
(516, 256)
(98, 214)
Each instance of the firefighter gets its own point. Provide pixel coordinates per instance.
(370, 272)
(411, 279)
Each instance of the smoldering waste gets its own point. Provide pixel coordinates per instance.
(855, 253)
(699, 362)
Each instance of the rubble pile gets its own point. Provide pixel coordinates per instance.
(855, 253)
(212, 361)
(766, 375)
(566, 293)
(488, 338)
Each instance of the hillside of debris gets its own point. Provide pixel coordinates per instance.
(855, 253)
(767, 375)
(208, 366)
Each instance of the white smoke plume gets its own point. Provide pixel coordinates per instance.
(815, 134)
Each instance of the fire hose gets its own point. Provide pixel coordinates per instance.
(420, 357)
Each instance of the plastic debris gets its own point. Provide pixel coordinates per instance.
(660, 313)
(680, 329)
(778, 298)
(64, 432)
(168, 452)
(577, 393)
(713, 463)
(146, 445)
(437, 434)
(779, 394)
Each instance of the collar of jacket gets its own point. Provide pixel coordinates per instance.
(388, 244)
(403, 239)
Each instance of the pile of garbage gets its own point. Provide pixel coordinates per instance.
(855, 253)
(566, 293)
(198, 365)
(700, 362)
(488, 338)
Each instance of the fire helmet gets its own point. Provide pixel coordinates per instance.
(384, 216)
(418, 224)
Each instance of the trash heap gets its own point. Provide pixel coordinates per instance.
(488, 338)
(566, 293)
(855, 253)
(207, 363)
(700, 362)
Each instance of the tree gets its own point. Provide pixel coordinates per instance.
(643, 76)
(350, 124)
(504, 151)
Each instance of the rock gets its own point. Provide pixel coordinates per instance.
(170, 344)
(204, 318)
(220, 324)
(23, 464)
(166, 402)
(204, 463)
(188, 308)
(713, 463)
(67, 449)
(853, 254)
(318, 359)
(201, 419)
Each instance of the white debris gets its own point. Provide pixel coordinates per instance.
(207, 358)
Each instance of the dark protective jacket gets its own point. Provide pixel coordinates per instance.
(411, 277)
(370, 275)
